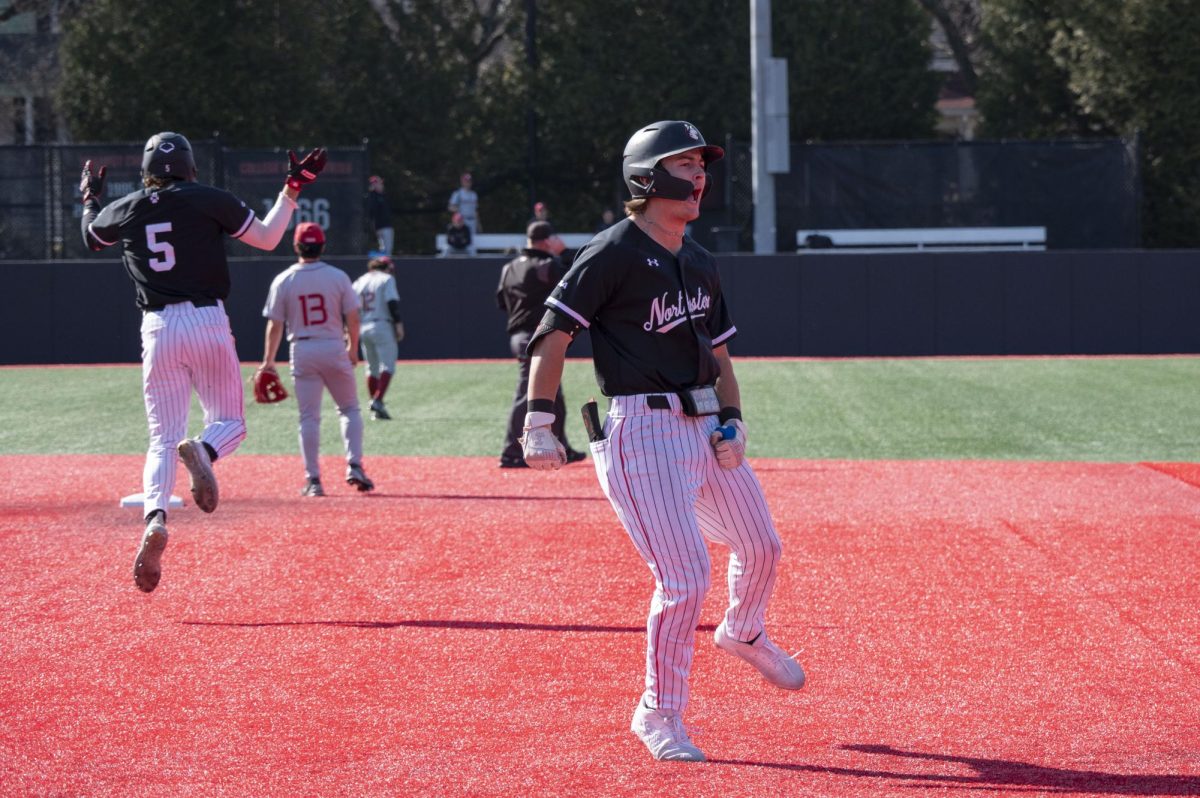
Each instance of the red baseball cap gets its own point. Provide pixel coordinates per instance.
(309, 233)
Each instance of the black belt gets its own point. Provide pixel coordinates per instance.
(199, 303)
(699, 400)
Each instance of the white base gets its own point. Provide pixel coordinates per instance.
(135, 500)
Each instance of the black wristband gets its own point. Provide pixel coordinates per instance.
(540, 406)
(728, 414)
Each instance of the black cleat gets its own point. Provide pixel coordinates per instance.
(358, 478)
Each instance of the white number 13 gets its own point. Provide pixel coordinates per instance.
(168, 252)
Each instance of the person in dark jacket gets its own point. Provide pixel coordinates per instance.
(458, 237)
(379, 215)
(525, 282)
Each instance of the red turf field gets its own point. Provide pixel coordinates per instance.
(978, 628)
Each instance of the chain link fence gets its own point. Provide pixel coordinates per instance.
(1086, 193)
(40, 209)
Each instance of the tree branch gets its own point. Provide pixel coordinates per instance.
(957, 42)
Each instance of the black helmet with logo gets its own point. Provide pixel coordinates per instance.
(168, 155)
(649, 146)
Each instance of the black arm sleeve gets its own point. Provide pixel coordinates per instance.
(91, 209)
(394, 309)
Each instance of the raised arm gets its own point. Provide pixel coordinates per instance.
(267, 234)
(91, 185)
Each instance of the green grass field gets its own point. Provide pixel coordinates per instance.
(1093, 409)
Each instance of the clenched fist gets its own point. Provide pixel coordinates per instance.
(540, 448)
(730, 449)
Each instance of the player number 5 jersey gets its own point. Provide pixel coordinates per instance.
(173, 240)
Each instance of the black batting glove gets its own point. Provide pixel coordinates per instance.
(301, 173)
(92, 185)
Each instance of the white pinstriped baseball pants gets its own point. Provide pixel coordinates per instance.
(185, 347)
(658, 470)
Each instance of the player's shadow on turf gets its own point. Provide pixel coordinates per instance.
(1002, 773)
(436, 624)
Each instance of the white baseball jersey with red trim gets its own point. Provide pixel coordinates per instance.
(313, 299)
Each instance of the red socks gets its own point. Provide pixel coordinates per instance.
(377, 386)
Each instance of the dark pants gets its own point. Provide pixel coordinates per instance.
(516, 419)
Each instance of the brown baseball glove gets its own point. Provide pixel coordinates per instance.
(268, 387)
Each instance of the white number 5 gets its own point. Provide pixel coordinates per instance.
(168, 251)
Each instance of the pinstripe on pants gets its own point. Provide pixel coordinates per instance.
(185, 347)
(658, 470)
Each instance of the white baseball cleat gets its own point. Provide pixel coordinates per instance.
(664, 735)
(204, 481)
(147, 568)
(772, 662)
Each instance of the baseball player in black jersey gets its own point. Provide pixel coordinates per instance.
(525, 282)
(171, 235)
(671, 454)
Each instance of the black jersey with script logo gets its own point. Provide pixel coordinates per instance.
(653, 317)
(173, 240)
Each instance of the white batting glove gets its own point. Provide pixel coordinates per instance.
(539, 446)
(730, 451)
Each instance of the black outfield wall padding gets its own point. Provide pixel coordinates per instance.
(917, 304)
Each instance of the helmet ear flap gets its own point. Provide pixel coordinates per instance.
(640, 181)
(654, 182)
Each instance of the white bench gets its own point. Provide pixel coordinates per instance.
(922, 239)
(504, 242)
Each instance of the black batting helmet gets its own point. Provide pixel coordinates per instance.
(649, 146)
(168, 155)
